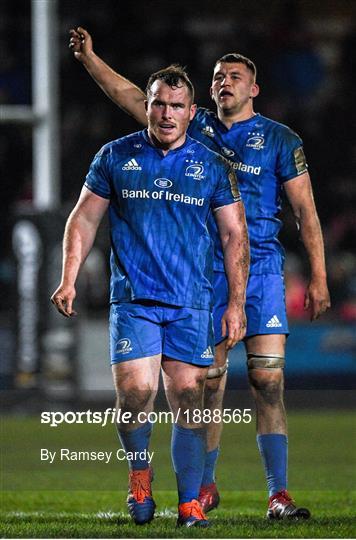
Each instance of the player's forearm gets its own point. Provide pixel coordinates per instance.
(300, 195)
(123, 92)
(312, 238)
(78, 239)
(237, 263)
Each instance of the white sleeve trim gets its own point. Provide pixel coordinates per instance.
(219, 208)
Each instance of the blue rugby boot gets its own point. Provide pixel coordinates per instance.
(190, 514)
(139, 500)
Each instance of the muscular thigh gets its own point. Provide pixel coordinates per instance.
(266, 343)
(140, 374)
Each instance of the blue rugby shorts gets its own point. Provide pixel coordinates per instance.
(140, 330)
(265, 305)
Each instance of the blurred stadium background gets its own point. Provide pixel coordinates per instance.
(306, 58)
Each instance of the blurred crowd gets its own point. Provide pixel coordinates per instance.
(306, 60)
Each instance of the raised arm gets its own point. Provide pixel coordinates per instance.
(79, 236)
(123, 92)
(300, 195)
(231, 222)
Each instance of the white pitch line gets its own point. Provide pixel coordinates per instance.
(105, 515)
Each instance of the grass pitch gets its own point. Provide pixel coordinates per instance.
(87, 500)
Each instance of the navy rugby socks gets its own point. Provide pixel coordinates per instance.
(136, 442)
(273, 448)
(188, 451)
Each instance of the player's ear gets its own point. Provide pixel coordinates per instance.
(255, 90)
(193, 110)
(211, 93)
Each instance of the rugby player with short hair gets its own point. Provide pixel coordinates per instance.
(269, 159)
(160, 187)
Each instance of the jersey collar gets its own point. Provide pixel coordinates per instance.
(250, 120)
(188, 141)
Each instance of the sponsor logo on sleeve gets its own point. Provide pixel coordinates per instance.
(300, 161)
(233, 184)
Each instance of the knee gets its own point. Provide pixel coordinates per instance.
(190, 396)
(267, 386)
(214, 390)
(133, 399)
(211, 388)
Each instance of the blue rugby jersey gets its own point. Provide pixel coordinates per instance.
(159, 206)
(264, 155)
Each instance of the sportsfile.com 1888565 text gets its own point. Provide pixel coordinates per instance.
(113, 416)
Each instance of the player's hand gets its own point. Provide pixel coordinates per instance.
(233, 324)
(81, 43)
(63, 298)
(317, 298)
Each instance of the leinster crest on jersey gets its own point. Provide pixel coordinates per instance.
(255, 141)
(195, 169)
